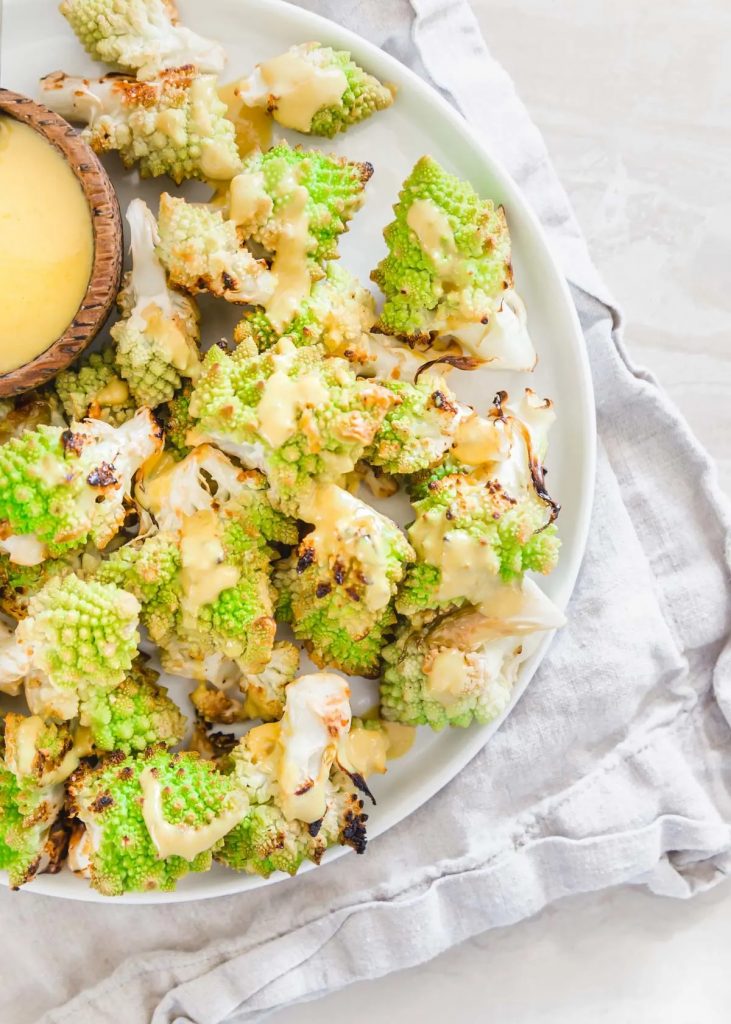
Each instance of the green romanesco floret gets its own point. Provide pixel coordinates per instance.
(448, 261)
(175, 416)
(272, 837)
(267, 198)
(140, 35)
(93, 387)
(457, 671)
(18, 583)
(82, 635)
(301, 418)
(417, 432)
(338, 587)
(172, 124)
(38, 758)
(150, 819)
(135, 715)
(157, 337)
(349, 93)
(338, 314)
(60, 488)
(468, 532)
(39, 407)
(202, 252)
(266, 690)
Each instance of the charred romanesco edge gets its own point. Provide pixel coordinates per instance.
(83, 633)
(108, 799)
(24, 827)
(135, 715)
(330, 435)
(18, 583)
(340, 603)
(37, 408)
(425, 291)
(266, 841)
(93, 388)
(202, 252)
(335, 192)
(417, 432)
(512, 534)
(174, 123)
(408, 693)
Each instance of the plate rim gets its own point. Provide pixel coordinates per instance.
(475, 739)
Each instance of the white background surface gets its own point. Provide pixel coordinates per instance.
(634, 100)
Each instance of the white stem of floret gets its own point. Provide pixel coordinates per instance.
(149, 283)
(80, 99)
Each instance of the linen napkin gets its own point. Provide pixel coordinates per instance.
(613, 768)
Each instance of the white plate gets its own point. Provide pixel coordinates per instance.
(36, 40)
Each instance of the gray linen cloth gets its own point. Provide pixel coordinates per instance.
(613, 768)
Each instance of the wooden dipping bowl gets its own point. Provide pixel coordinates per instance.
(106, 222)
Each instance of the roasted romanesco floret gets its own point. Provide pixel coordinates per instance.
(148, 820)
(38, 758)
(203, 253)
(60, 488)
(302, 800)
(18, 583)
(301, 418)
(140, 35)
(484, 518)
(134, 715)
(81, 636)
(448, 270)
(337, 589)
(458, 671)
(94, 388)
(315, 90)
(417, 432)
(203, 580)
(157, 336)
(296, 203)
(173, 124)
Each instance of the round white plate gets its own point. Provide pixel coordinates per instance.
(36, 40)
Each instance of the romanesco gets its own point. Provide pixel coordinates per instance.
(60, 488)
(458, 671)
(157, 336)
(140, 35)
(134, 715)
(150, 819)
(172, 124)
(337, 589)
(301, 418)
(81, 635)
(448, 270)
(93, 388)
(202, 253)
(417, 432)
(314, 89)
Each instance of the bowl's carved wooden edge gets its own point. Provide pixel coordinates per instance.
(108, 244)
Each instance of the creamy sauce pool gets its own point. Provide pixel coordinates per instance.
(46, 244)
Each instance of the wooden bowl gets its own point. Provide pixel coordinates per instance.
(106, 224)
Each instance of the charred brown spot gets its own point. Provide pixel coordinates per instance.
(229, 283)
(102, 476)
(459, 362)
(360, 784)
(353, 594)
(101, 803)
(314, 827)
(339, 573)
(72, 442)
(304, 788)
(366, 171)
(126, 774)
(354, 831)
(323, 589)
(305, 560)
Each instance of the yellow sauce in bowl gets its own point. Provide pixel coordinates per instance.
(46, 244)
